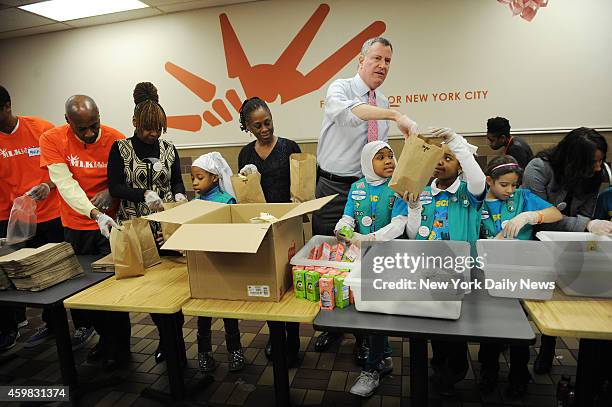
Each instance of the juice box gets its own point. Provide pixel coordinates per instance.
(341, 291)
(339, 252)
(351, 254)
(326, 288)
(325, 251)
(312, 285)
(299, 283)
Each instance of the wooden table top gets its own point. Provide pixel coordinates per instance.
(163, 289)
(289, 309)
(577, 317)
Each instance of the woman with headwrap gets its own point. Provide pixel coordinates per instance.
(210, 176)
(144, 171)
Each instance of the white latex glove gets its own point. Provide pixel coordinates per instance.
(248, 169)
(105, 223)
(413, 201)
(514, 225)
(447, 134)
(600, 227)
(102, 200)
(153, 201)
(39, 192)
(179, 197)
(407, 126)
(358, 238)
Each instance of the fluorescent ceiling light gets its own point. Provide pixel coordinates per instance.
(64, 10)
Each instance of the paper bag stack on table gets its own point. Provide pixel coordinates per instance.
(104, 265)
(37, 269)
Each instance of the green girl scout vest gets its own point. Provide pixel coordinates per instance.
(510, 208)
(463, 218)
(368, 222)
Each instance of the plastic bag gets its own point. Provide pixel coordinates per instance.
(22, 220)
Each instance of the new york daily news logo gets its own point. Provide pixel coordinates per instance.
(410, 263)
(75, 161)
(31, 151)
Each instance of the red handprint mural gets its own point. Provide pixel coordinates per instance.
(268, 81)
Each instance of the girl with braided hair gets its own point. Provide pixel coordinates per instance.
(269, 155)
(144, 170)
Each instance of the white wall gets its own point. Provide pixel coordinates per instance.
(550, 74)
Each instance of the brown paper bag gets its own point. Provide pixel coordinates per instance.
(150, 255)
(169, 228)
(248, 189)
(303, 167)
(127, 255)
(415, 166)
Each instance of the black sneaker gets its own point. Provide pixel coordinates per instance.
(207, 362)
(235, 360)
(8, 339)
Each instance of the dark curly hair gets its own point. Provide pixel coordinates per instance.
(248, 107)
(148, 113)
(498, 126)
(572, 161)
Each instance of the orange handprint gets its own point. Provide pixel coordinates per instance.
(268, 81)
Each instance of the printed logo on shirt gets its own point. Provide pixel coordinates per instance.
(374, 198)
(4, 153)
(75, 161)
(33, 152)
(442, 202)
(496, 217)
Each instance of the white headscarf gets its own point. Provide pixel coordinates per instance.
(216, 164)
(367, 155)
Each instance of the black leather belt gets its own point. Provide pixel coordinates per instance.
(335, 178)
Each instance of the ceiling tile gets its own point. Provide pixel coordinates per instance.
(15, 19)
(114, 17)
(34, 30)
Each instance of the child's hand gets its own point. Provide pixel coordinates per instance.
(159, 238)
(514, 226)
(345, 234)
(412, 200)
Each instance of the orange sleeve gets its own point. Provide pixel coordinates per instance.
(50, 151)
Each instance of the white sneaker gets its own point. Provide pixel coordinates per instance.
(22, 324)
(366, 384)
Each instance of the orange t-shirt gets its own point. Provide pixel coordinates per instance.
(20, 166)
(86, 162)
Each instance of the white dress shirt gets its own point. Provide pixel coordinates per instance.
(343, 134)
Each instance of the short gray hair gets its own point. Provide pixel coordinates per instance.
(366, 45)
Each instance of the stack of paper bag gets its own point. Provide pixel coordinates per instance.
(37, 269)
(105, 264)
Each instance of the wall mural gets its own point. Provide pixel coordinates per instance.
(268, 81)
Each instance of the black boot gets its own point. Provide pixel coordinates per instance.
(325, 340)
(544, 360)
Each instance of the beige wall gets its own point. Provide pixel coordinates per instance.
(537, 142)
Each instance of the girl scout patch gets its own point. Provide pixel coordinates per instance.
(485, 214)
(366, 221)
(358, 195)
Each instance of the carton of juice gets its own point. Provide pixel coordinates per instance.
(351, 254)
(326, 288)
(312, 285)
(339, 252)
(299, 282)
(325, 251)
(341, 291)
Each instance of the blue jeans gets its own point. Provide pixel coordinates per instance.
(379, 349)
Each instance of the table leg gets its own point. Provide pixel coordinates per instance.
(64, 346)
(589, 371)
(279, 362)
(418, 372)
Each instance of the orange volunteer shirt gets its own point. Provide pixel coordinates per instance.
(20, 166)
(86, 162)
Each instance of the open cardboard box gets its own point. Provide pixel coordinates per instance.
(232, 259)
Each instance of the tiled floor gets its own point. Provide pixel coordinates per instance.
(321, 379)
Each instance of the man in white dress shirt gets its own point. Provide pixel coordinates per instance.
(356, 112)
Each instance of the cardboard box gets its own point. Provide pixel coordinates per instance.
(232, 259)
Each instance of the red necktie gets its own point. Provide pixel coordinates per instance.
(372, 124)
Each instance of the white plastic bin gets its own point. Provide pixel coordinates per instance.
(583, 262)
(517, 268)
(301, 257)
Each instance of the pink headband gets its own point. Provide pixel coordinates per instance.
(504, 165)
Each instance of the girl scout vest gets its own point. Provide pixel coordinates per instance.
(509, 209)
(367, 221)
(137, 174)
(219, 196)
(463, 218)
